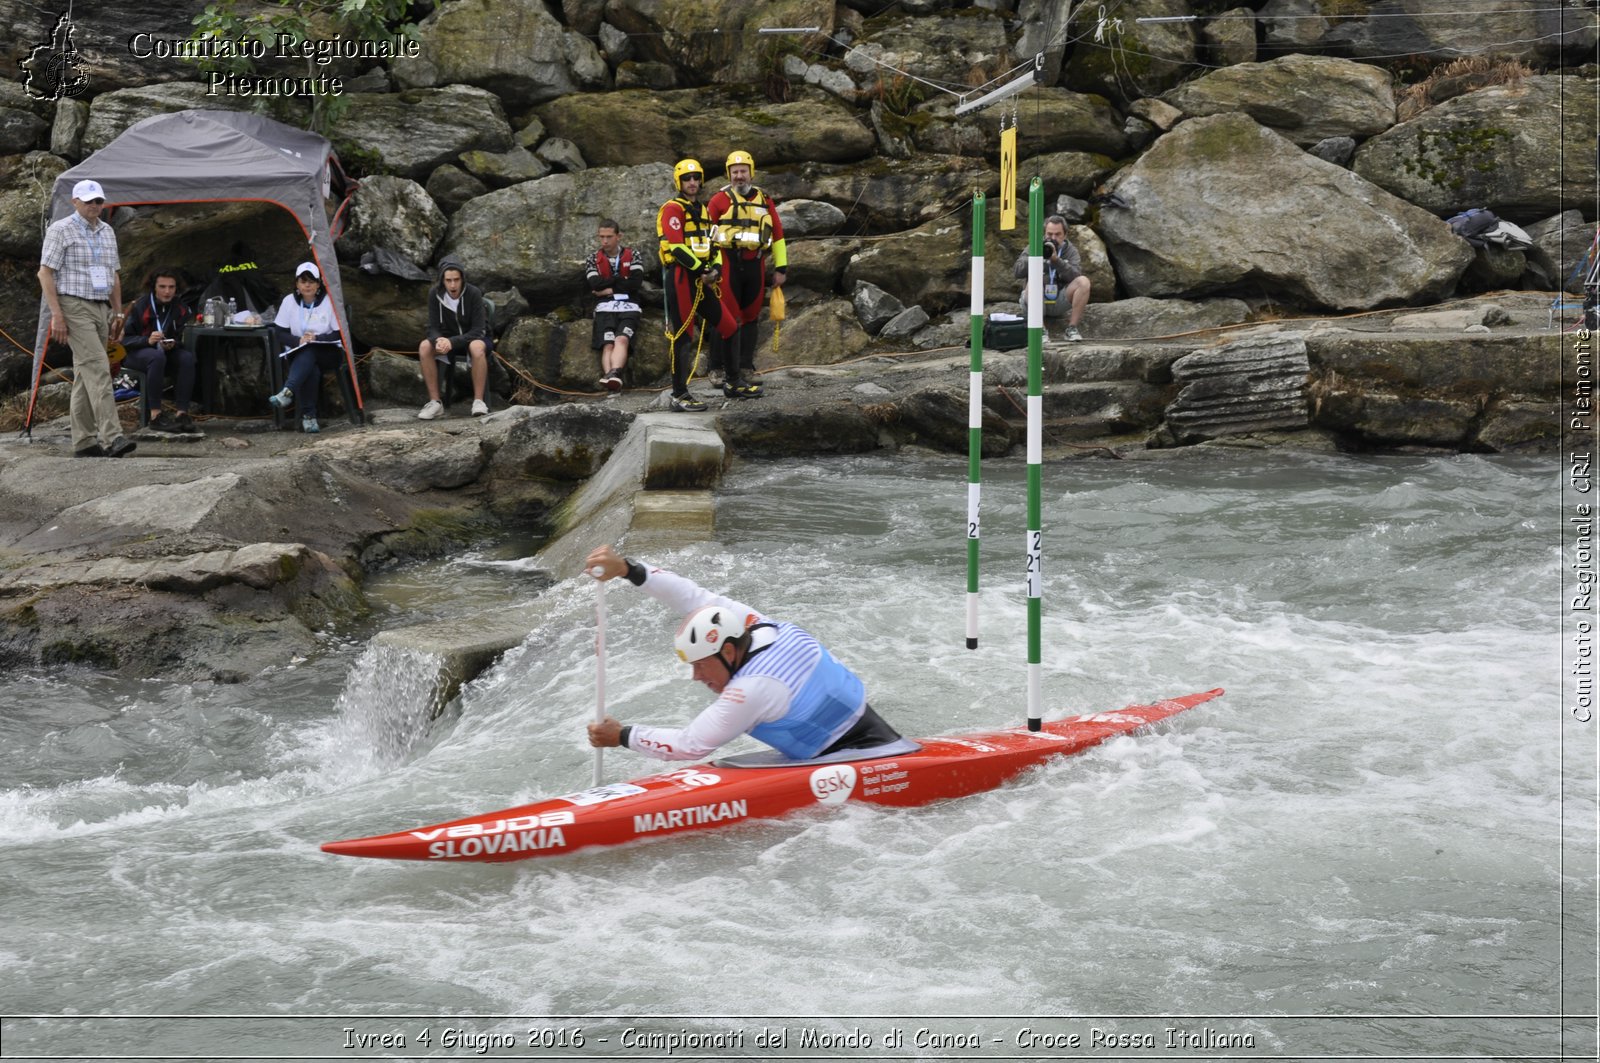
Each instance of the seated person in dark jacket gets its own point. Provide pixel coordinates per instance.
(308, 333)
(457, 323)
(151, 338)
(614, 276)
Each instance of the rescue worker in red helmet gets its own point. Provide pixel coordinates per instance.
(745, 228)
(689, 275)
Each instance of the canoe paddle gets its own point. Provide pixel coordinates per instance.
(599, 664)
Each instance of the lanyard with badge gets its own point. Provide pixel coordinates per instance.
(99, 276)
(1052, 285)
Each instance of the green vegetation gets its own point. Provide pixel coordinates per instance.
(1447, 157)
(244, 21)
(1457, 78)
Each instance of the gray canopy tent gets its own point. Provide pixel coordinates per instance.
(213, 157)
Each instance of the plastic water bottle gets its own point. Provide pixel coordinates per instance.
(233, 308)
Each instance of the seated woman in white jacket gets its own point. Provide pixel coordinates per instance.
(310, 340)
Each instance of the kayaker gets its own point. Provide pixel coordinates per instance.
(773, 681)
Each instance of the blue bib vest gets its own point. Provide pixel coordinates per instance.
(824, 694)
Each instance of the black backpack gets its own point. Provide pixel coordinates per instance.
(1470, 225)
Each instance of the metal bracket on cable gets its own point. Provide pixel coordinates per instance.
(1010, 88)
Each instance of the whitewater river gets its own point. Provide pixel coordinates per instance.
(1357, 851)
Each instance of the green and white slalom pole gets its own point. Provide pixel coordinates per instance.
(1035, 447)
(975, 420)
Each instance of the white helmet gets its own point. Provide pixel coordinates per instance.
(704, 632)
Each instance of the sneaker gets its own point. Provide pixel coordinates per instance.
(751, 390)
(613, 382)
(730, 391)
(687, 403)
(1072, 335)
(283, 400)
(121, 447)
(164, 422)
(433, 409)
(93, 450)
(309, 425)
(186, 425)
(479, 408)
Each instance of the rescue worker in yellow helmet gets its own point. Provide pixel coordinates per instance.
(745, 229)
(688, 263)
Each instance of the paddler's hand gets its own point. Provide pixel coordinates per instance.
(605, 734)
(604, 563)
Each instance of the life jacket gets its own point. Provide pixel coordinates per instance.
(696, 235)
(825, 696)
(747, 226)
(602, 264)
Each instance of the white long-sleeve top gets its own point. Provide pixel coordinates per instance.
(743, 704)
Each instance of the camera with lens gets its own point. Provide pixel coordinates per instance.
(1051, 249)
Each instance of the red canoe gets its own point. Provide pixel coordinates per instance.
(717, 794)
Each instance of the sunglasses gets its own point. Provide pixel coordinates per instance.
(97, 202)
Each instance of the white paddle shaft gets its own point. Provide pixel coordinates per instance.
(599, 668)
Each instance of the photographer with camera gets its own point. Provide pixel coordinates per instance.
(1066, 289)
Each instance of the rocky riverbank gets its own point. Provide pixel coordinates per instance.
(211, 557)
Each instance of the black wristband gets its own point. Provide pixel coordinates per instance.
(622, 735)
(636, 572)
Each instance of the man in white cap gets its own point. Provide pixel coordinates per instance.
(78, 275)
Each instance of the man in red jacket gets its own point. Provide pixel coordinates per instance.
(745, 227)
(689, 276)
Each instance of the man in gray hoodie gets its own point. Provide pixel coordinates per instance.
(458, 324)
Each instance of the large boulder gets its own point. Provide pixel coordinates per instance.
(1072, 173)
(1307, 98)
(818, 333)
(932, 266)
(1293, 25)
(620, 128)
(386, 311)
(1131, 58)
(809, 217)
(966, 47)
(102, 38)
(1056, 120)
(24, 122)
(25, 184)
(539, 235)
(497, 169)
(66, 130)
(450, 187)
(1414, 27)
(515, 48)
(715, 39)
(1230, 37)
(1523, 150)
(395, 213)
(410, 133)
(1222, 205)
(1146, 318)
(818, 263)
(887, 195)
(1559, 244)
(1044, 29)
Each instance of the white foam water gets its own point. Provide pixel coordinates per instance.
(1369, 823)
